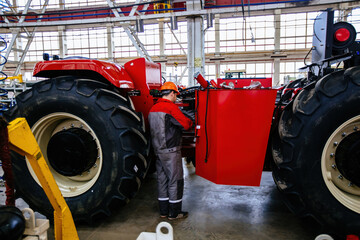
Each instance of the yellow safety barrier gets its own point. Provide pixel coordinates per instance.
(23, 142)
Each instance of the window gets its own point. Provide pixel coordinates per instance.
(354, 19)
(249, 42)
(150, 39)
(289, 70)
(36, 4)
(174, 73)
(297, 30)
(251, 34)
(43, 42)
(252, 69)
(172, 46)
(123, 45)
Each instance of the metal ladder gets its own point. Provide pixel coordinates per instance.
(129, 30)
(18, 34)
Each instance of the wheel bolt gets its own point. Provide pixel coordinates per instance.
(350, 184)
(335, 144)
(356, 128)
(340, 177)
(333, 166)
(72, 125)
(95, 165)
(343, 134)
(332, 155)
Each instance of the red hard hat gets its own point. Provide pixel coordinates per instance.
(169, 86)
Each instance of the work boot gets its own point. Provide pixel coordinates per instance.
(175, 211)
(164, 208)
(180, 215)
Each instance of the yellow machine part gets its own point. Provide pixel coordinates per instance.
(162, 7)
(23, 142)
(18, 77)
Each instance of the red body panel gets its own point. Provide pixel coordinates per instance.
(201, 80)
(238, 125)
(114, 73)
(243, 82)
(146, 76)
(137, 74)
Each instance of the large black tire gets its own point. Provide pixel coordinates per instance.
(115, 139)
(317, 141)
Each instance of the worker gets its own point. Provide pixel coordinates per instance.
(6, 163)
(166, 125)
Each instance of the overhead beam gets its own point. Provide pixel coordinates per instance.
(261, 9)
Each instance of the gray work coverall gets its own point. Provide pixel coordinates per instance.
(166, 125)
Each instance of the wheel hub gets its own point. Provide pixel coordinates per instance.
(72, 151)
(348, 157)
(340, 162)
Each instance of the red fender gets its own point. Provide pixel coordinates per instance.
(146, 76)
(137, 74)
(112, 72)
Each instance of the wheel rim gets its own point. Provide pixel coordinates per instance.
(48, 126)
(343, 189)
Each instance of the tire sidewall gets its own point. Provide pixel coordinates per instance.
(314, 135)
(78, 105)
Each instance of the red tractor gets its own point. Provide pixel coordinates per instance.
(90, 120)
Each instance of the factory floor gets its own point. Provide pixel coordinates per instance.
(215, 212)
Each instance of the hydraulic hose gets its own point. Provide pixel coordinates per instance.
(3, 107)
(3, 76)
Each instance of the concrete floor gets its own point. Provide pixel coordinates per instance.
(215, 212)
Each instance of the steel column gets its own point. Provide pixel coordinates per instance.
(277, 25)
(217, 44)
(196, 55)
(110, 42)
(62, 42)
(162, 40)
(344, 12)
